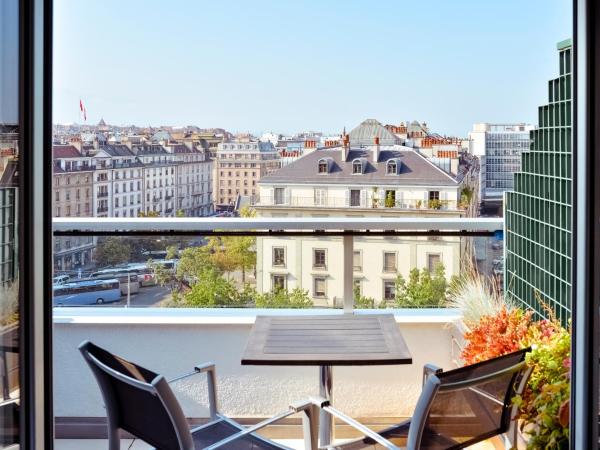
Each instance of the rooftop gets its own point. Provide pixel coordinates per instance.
(415, 169)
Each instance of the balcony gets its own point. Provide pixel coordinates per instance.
(431, 333)
(102, 194)
(411, 205)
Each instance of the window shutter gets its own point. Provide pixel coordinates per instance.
(272, 195)
(363, 198)
(286, 196)
(347, 197)
(382, 196)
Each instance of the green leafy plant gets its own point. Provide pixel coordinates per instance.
(297, 298)
(362, 302)
(435, 204)
(389, 200)
(544, 406)
(423, 288)
(418, 204)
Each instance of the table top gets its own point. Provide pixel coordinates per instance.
(341, 340)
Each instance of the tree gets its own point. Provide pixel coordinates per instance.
(180, 213)
(211, 290)
(112, 251)
(161, 274)
(281, 298)
(362, 302)
(172, 252)
(422, 289)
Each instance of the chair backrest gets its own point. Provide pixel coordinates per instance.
(138, 400)
(461, 407)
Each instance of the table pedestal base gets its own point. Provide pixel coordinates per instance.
(325, 420)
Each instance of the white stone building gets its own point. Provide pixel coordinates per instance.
(159, 187)
(356, 181)
(193, 176)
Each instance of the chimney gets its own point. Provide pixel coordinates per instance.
(376, 150)
(454, 166)
(76, 142)
(346, 147)
(96, 143)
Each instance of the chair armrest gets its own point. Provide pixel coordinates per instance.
(210, 370)
(292, 409)
(358, 426)
(430, 369)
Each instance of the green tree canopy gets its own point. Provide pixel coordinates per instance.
(211, 290)
(112, 251)
(423, 289)
(281, 298)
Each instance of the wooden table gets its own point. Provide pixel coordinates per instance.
(326, 341)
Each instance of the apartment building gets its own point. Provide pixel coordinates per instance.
(538, 212)
(73, 182)
(239, 166)
(159, 187)
(127, 178)
(363, 181)
(499, 148)
(193, 177)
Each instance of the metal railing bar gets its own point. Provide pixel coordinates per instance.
(271, 225)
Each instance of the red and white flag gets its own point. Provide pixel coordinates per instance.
(83, 110)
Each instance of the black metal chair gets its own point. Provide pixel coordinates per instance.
(142, 403)
(456, 409)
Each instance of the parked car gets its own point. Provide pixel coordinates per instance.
(60, 279)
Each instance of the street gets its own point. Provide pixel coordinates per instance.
(148, 296)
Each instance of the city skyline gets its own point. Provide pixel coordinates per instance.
(287, 68)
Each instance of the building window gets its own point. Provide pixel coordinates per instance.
(354, 197)
(433, 259)
(357, 167)
(434, 195)
(320, 287)
(323, 166)
(389, 289)
(278, 282)
(357, 261)
(389, 262)
(57, 196)
(319, 258)
(392, 167)
(279, 256)
(320, 197)
(279, 196)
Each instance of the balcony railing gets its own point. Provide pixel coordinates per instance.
(337, 233)
(102, 194)
(365, 203)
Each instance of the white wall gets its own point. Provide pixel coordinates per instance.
(171, 342)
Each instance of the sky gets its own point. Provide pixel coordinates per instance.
(289, 66)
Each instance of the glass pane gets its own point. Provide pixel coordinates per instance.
(9, 276)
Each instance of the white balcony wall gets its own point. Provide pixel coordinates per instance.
(171, 342)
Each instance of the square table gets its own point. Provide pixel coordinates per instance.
(326, 341)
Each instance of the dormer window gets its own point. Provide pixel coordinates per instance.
(393, 167)
(358, 166)
(324, 165)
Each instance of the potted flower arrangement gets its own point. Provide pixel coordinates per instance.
(543, 409)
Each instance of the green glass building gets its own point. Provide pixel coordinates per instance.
(538, 212)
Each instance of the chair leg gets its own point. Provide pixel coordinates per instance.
(114, 440)
(310, 427)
